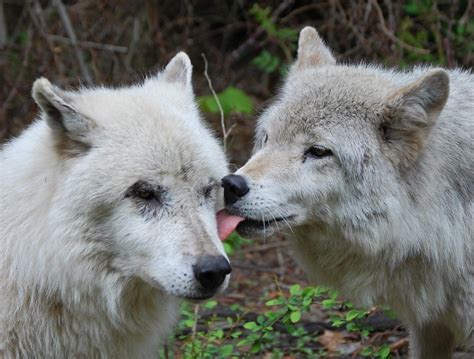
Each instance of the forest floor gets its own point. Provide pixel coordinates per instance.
(263, 271)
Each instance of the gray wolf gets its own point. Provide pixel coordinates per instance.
(371, 172)
(107, 217)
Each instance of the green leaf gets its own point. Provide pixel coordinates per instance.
(328, 303)
(295, 317)
(255, 348)
(352, 314)
(219, 333)
(266, 62)
(295, 289)
(367, 351)
(231, 99)
(189, 323)
(307, 301)
(210, 304)
(273, 302)
(261, 319)
(412, 8)
(226, 350)
(228, 248)
(236, 334)
(251, 325)
(384, 351)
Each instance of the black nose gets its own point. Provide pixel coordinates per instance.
(235, 187)
(210, 271)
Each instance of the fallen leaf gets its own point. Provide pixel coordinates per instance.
(332, 341)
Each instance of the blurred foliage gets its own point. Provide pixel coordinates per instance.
(249, 46)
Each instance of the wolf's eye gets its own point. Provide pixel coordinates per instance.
(317, 152)
(207, 191)
(145, 194)
(144, 191)
(265, 139)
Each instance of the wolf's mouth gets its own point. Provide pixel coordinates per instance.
(254, 224)
(228, 222)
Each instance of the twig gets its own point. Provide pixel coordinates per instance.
(19, 78)
(133, 42)
(37, 16)
(389, 34)
(465, 17)
(354, 30)
(196, 314)
(242, 50)
(3, 27)
(89, 44)
(402, 343)
(225, 133)
(72, 37)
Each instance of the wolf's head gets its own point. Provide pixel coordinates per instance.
(330, 150)
(138, 181)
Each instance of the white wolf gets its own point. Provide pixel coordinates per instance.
(107, 218)
(373, 170)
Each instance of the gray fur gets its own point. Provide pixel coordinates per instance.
(388, 218)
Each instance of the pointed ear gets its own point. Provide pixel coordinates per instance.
(179, 70)
(410, 114)
(70, 128)
(312, 51)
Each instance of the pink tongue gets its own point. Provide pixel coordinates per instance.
(226, 223)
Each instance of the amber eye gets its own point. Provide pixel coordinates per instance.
(144, 191)
(145, 194)
(318, 152)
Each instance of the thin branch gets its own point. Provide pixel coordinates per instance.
(3, 27)
(73, 38)
(196, 315)
(389, 34)
(225, 133)
(251, 42)
(26, 59)
(89, 44)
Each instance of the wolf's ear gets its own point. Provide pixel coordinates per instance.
(411, 113)
(179, 70)
(69, 127)
(312, 51)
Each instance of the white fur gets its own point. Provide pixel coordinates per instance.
(86, 269)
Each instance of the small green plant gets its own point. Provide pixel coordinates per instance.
(236, 336)
(286, 310)
(267, 62)
(284, 37)
(204, 344)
